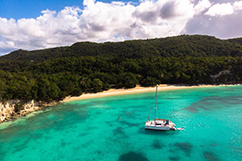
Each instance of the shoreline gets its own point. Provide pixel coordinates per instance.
(137, 89)
(111, 92)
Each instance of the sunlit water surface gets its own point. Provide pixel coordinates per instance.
(89, 130)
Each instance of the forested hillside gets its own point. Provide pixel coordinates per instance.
(53, 74)
(195, 45)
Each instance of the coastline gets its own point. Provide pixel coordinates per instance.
(137, 89)
(8, 109)
(33, 106)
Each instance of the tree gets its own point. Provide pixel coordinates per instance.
(97, 85)
(149, 81)
(2, 89)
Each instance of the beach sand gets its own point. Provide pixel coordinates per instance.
(138, 89)
(114, 92)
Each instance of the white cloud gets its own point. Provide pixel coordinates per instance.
(238, 5)
(220, 9)
(116, 21)
(89, 3)
(220, 20)
(224, 9)
(202, 5)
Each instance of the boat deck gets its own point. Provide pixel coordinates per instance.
(160, 124)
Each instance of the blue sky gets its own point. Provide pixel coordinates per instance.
(39, 24)
(32, 8)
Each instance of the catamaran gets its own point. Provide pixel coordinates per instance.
(159, 124)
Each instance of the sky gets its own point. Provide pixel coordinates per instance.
(39, 24)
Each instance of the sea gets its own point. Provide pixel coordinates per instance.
(90, 130)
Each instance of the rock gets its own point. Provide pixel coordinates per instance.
(7, 109)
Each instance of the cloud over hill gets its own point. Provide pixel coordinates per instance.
(116, 21)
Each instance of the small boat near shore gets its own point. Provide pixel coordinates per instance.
(160, 124)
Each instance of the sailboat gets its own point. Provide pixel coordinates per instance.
(159, 124)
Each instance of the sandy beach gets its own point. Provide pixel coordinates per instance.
(138, 89)
(111, 92)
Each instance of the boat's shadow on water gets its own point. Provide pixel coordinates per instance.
(156, 132)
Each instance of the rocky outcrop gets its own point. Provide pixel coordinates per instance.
(6, 110)
(13, 109)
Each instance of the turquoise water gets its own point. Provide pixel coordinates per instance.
(89, 130)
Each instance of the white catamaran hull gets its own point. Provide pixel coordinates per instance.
(163, 128)
(159, 125)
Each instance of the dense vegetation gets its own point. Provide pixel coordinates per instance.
(53, 74)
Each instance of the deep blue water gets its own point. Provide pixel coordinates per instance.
(89, 130)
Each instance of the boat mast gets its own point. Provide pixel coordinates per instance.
(156, 101)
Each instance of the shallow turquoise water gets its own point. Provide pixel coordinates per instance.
(89, 130)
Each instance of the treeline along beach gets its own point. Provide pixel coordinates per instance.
(53, 74)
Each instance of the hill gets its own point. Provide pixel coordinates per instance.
(237, 41)
(53, 74)
(194, 45)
